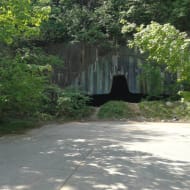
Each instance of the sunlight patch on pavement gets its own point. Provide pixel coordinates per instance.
(168, 149)
(18, 187)
(117, 186)
(68, 188)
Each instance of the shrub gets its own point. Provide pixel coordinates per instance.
(115, 110)
(25, 87)
(73, 104)
(155, 109)
(17, 126)
(164, 110)
(51, 95)
(21, 90)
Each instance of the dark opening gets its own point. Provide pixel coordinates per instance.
(119, 91)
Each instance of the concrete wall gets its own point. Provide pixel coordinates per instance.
(91, 69)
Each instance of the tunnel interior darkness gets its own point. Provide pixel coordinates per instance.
(119, 88)
(119, 91)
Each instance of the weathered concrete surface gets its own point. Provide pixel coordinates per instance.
(98, 155)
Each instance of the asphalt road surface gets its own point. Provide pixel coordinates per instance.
(98, 155)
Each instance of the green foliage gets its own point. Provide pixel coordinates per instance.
(38, 59)
(49, 104)
(96, 22)
(185, 96)
(24, 73)
(25, 92)
(21, 88)
(165, 45)
(175, 12)
(164, 110)
(21, 18)
(151, 79)
(17, 126)
(146, 110)
(143, 11)
(73, 104)
(155, 109)
(180, 14)
(24, 83)
(115, 110)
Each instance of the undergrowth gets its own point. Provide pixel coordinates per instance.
(146, 110)
(17, 126)
(115, 110)
(164, 110)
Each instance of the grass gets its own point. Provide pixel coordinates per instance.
(146, 110)
(17, 126)
(10, 126)
(115, 110)
(13, 125)
(164, 110)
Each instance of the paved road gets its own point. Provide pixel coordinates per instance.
(98, 155)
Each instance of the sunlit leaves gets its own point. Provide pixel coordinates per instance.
(165, 45)
(21, 18)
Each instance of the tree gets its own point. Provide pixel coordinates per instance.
(21, 18)
(98, 21)
(166, 45)
(179, 14)
(21, 91)
(95, 22)
(22, 82)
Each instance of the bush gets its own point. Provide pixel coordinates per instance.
(51, 95)
(17, 126)
(21, 90)
(164, 110)
(155, 109)
(73, 104)
(115, 110)
(25, 83)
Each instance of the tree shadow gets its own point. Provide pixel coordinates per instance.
(89, 156)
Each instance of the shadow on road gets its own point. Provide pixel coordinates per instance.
(84, 156)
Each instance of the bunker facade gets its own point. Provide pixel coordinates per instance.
(92, 69)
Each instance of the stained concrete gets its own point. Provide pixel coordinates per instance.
(98, 155)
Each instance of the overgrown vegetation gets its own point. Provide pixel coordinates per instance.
(73, 104)
(17, 126)
(27, 91)
(115, 110)
(160, 110)
(146, 111)
(151, 79)
(165, 45)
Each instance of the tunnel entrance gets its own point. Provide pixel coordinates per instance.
(119, 91)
